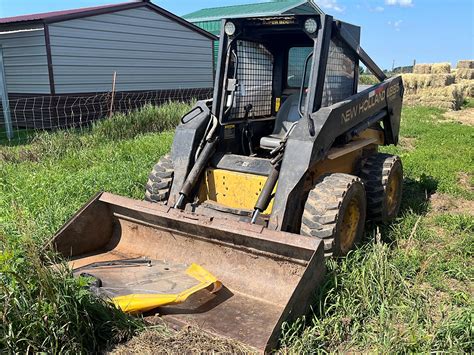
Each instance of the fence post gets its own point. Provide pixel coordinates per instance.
(113, 94)
(5, 104)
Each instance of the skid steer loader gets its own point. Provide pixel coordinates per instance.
(280, 169)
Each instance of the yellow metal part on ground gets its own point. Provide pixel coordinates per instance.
(137, 303)
(233, 189)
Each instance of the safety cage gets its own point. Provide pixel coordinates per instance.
(264, 61)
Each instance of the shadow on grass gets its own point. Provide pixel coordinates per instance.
(416, 194)
(415, 200)
(341, 271)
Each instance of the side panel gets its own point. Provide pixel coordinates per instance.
(233, 189)
(303, 150)
(147, 50)
(25, 61)
(187, 138)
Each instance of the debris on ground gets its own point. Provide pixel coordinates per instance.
(189, 340)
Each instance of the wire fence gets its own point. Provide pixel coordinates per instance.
(31, 114)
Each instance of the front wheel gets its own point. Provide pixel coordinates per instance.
(335, 212)
(159, 181)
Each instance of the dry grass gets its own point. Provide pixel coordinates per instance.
(190, 340)
(465, 116)
(444, 203)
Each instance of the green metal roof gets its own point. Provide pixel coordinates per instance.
(277, 7)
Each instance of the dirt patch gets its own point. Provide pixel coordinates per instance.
(465, 181)
(465, 116)
(189, 340)
(442, 203)
(407, 143)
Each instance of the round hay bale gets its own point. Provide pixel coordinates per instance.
(422, 69)
(465, 64)
(441, 68)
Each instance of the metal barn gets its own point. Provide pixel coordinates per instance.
(76, 52)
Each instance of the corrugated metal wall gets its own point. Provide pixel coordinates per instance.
(213, 27)
(25, 61)
(147, 50)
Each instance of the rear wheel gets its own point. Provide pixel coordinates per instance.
(335, 212)
(160, 180)
(382, 175)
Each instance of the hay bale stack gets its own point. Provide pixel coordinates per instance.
(466, 64)
(441, 68)
(462, 73)
(449, 98)
(422, 69)
(467, 87)
(441, 80)
(415, 82)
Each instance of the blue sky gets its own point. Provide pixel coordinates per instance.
(392, 30)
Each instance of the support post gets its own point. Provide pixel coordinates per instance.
(5, 104)
(111, 111)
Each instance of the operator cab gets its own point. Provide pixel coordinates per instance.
(263, 80)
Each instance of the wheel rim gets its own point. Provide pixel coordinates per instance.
(350, 222)
(393, 188)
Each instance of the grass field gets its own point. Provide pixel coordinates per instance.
(409, 288)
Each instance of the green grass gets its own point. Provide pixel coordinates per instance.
(368, 79)
(412, 293)
(468, 102)
(407, 289)
(41, 185)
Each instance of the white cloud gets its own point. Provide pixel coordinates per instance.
(395, 24)
(377, 9)
(402, 3)
(331, 5)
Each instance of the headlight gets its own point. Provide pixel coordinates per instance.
(229, 28)
(310, 25)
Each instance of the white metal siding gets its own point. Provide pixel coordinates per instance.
(147, 50)
(25, 61)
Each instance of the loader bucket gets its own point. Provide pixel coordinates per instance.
(265, 277)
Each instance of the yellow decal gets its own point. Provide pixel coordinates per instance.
(277, 104)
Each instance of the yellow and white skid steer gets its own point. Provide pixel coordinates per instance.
(278, 171)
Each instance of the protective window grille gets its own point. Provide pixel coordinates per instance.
(296, 60)
(254, 75)
(339, 81)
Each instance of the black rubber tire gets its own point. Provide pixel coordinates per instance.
(378, 174)
(326, 207)
(160, 180)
